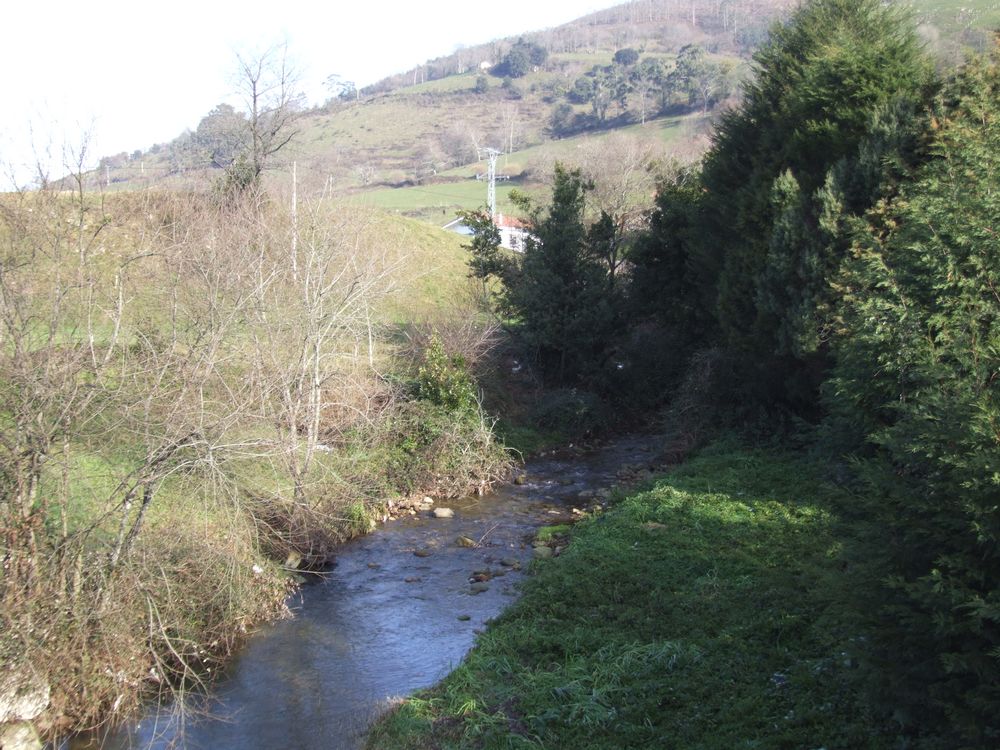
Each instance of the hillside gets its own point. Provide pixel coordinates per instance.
(410, 143)
(424, 126)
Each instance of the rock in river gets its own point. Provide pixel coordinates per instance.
(464, 541)
(444, 513)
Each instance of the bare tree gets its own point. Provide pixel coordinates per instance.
(622, 169)
(318, 280)
(267, 83)
(511, 124)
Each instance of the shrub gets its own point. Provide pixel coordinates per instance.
(445, 381)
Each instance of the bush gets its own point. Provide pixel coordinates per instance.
(571, 412)
(445, 381)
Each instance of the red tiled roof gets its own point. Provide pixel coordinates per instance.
(511, 222)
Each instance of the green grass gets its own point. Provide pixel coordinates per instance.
(436, 203)
(433, 271)
(709, 610)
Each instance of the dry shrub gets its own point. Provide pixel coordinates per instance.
(185, 598)
(431, 449)
(311, 530)
(464, 329)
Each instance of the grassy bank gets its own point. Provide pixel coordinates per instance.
(711, 609)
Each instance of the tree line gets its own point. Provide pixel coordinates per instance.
(828, 270)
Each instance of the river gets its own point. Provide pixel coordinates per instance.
(395, 613)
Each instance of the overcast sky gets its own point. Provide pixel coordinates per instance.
(136, 73)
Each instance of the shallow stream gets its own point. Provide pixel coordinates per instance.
(396, 613)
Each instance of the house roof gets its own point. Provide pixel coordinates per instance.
(510, 222)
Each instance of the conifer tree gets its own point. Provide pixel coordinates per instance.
(821, 87)
(918, 367)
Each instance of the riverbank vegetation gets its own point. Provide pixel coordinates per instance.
(716, 607)
(824, 278)
(201, 397)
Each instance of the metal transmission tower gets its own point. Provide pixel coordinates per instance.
(491, 177)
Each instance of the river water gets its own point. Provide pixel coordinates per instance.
(396, 613)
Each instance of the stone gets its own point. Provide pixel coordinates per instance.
(422, 552)
(478, 588)
(412, 579)
(521, 479)
(464, 618)
(444, 513)
(427, 501)
(23, 695)
(543, 553)
(374, 566)
(20, 736)
(510, 562)
(293, 560)
(464, 541)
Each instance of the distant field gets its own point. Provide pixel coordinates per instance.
(952, 16)
(436, 204)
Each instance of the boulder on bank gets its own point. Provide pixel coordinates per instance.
(23, 695)
(19, 736)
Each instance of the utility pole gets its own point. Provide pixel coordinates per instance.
(491, 177)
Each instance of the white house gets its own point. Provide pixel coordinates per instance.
(513, 231)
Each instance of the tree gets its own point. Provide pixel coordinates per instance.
(520, 59)
(620, 172)
(316, 279)
(696, 76)
(918, 353)
(267, 84)
(626, 57)
(556, 294)
(647, 77)
(810, 115)
(665, 282)
(341, 88)
(222, 135)
(562, 118)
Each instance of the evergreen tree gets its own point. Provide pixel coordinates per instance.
(780, 166)
(557, 296)
(918, 364)
(562, 299)
(665, 283)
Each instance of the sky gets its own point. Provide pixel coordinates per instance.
(122, 76)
